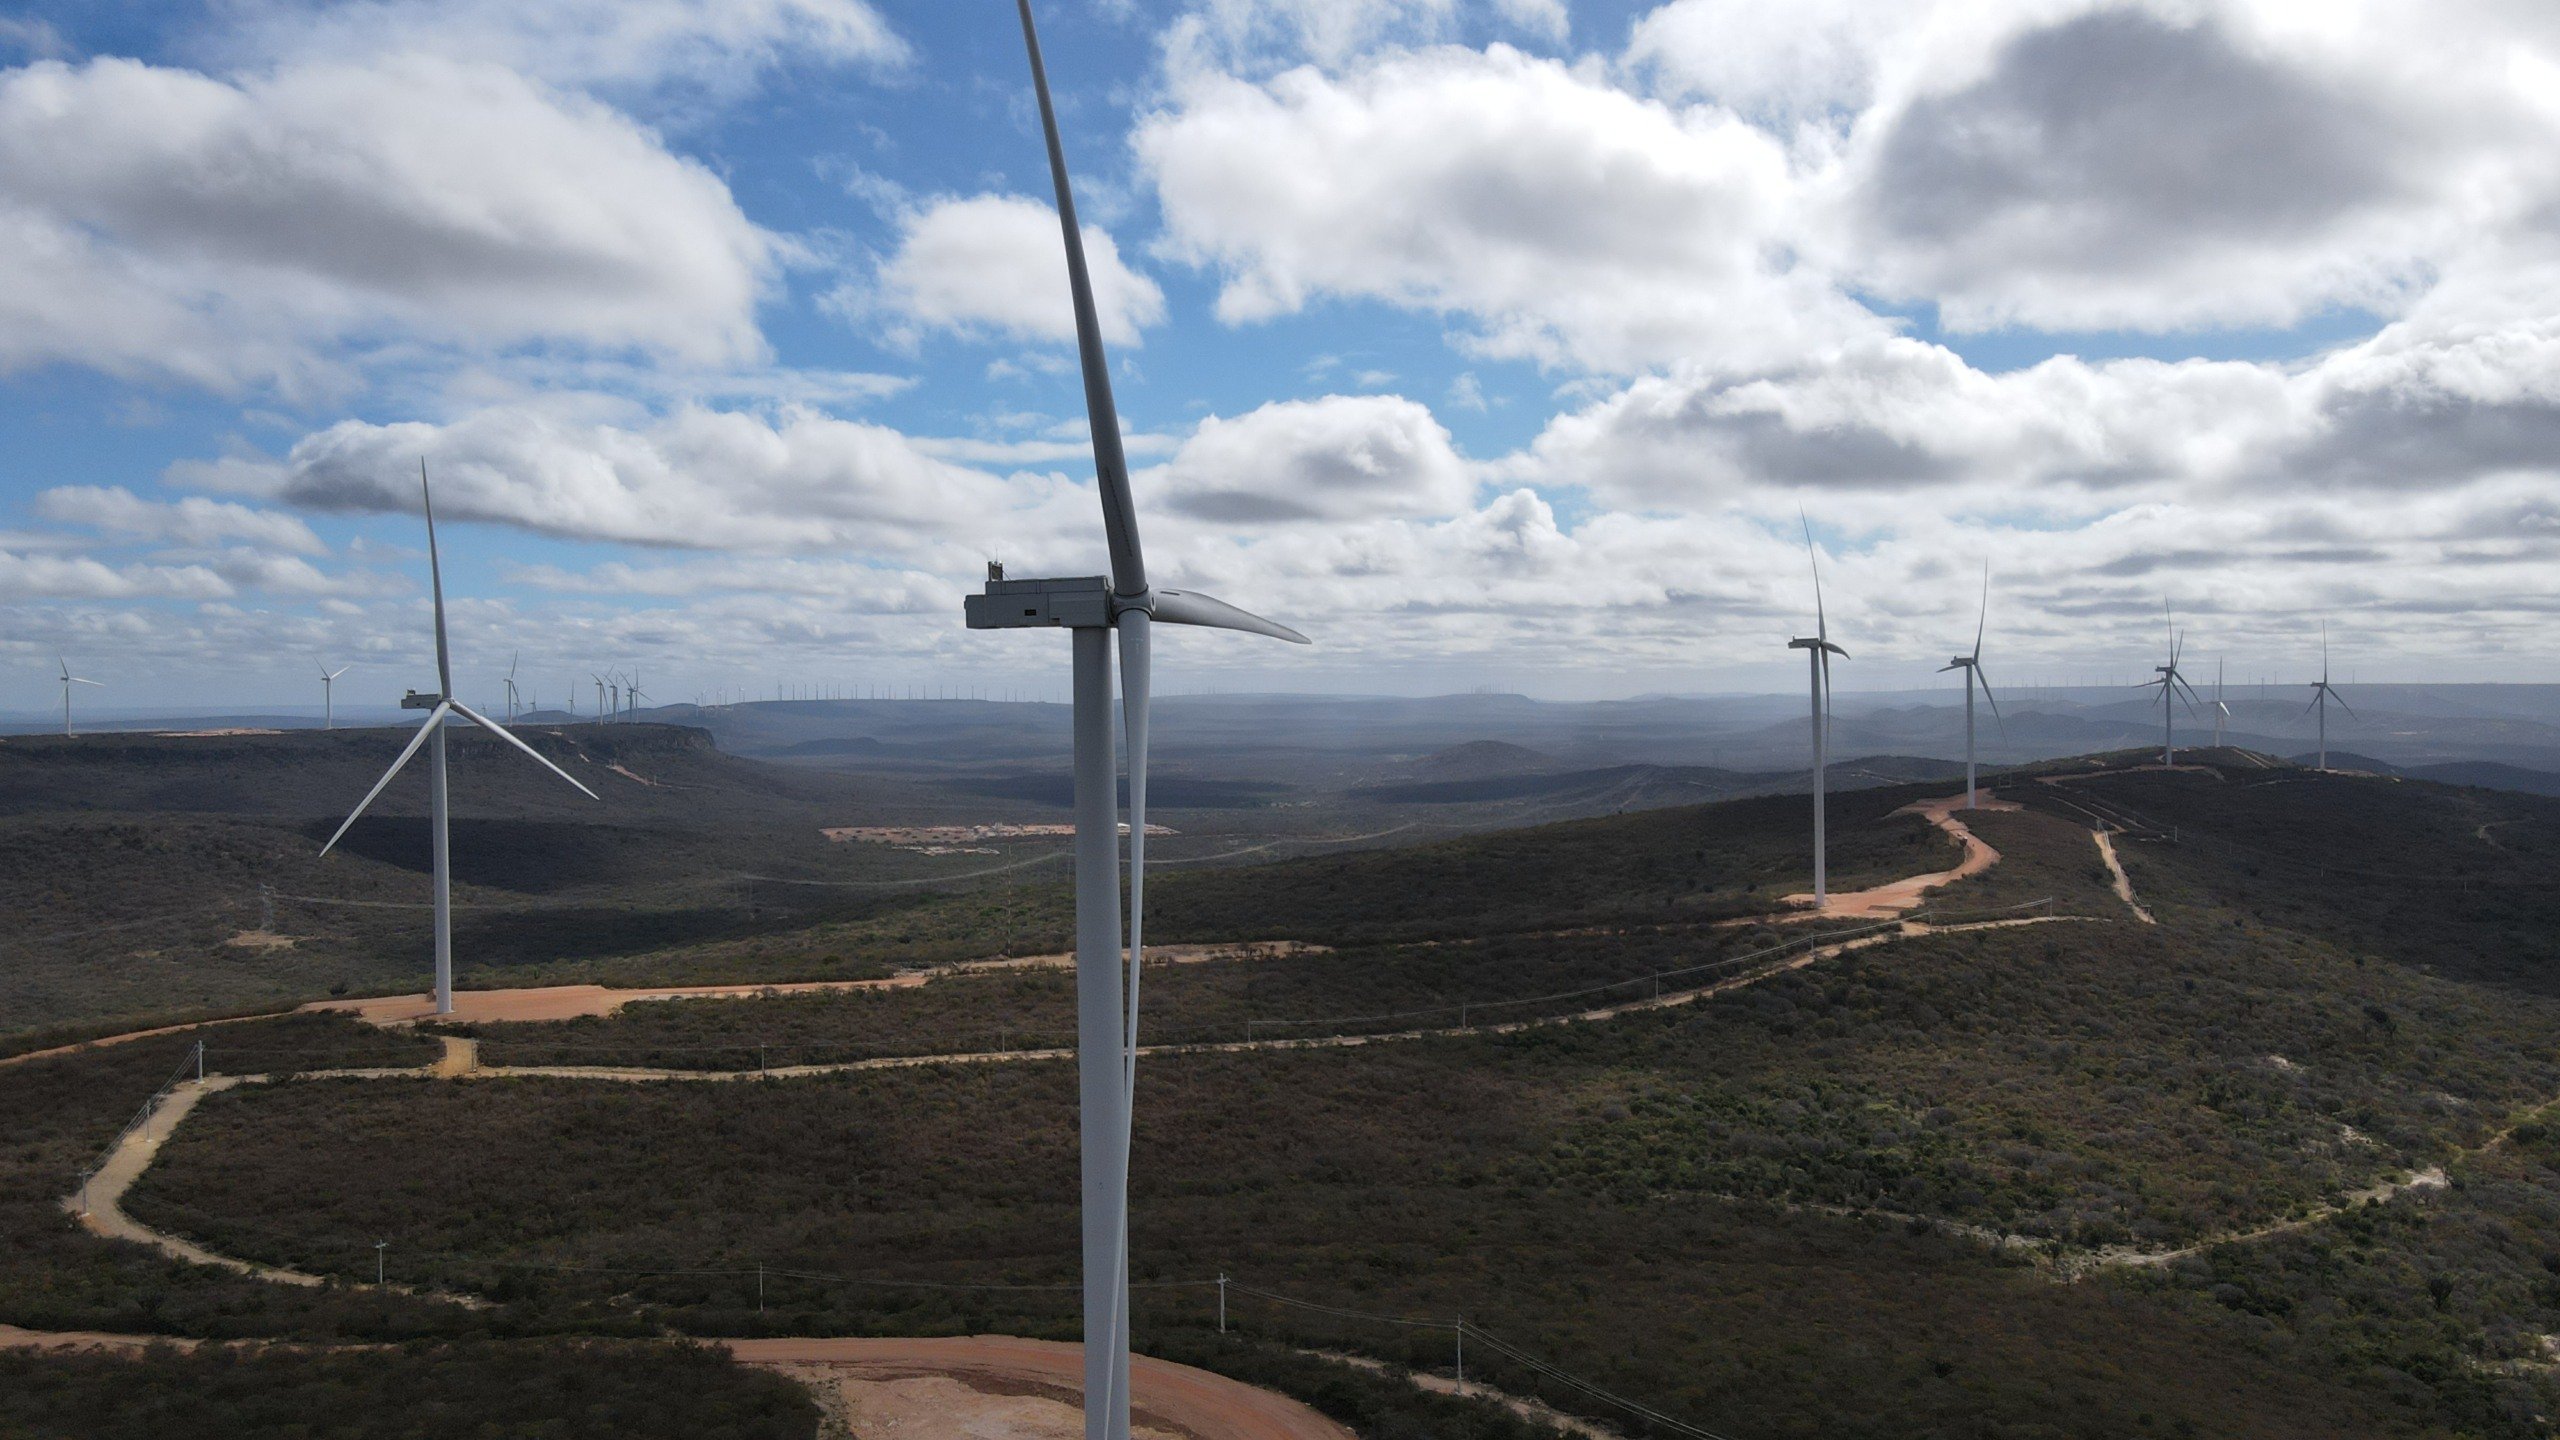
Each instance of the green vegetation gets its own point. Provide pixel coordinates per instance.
(1364, 990)
(558, 1390)
(2392, 869)
(1831, 1202)
(60, 1114)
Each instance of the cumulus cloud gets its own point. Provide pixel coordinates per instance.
(712, 44)
(191, 521)
(1252, 32)
(1342, 457)
(1562, 218)
(995, 264)
(164, 222)
(695, 478)
(82, 577)
(1807, 60)
(2125, 168)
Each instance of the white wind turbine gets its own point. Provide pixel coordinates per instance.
(440, 707)
(329, 695)
(1818, 652)
(632, 696)
(69, 680)
(1092, 607)
(2174, 691)
(2322, 692)
(512, 663)
(1971, 665)
(599, 695)
(2221, 711)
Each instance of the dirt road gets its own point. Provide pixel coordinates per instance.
(984, 1378)
(1900, 897)
(573, 1002)
(2123, 882)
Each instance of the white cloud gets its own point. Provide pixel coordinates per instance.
(163, 222)
(1342, 457)
(1563, 218)
(997, 264)
(1806, 60)
(191, 521)
(713, 44)
(2157, 169)
(695, 478)
(80, 577)
(1254, 33)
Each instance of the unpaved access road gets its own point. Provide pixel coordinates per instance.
(573, 1002)
(1900, 897)
(1007, 1388)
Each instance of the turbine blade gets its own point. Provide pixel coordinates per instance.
(1137, 683)
(1994, 699)
(2342, 701)
(1190, 607)
(408, 752)
(1821, 623)
(503, 733)
(435, 576)
(1110, 465)
(2315, 700)
(1984, 620)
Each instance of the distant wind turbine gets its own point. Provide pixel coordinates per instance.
(1092, 607)
(329, 695)
(2221, 712)
(512, 663)
(69, 680)
(1971, 665)
(631, 697)
(599, 696)
(2322, 692)
(440, 707)
(1818, 652)
(2174, 691)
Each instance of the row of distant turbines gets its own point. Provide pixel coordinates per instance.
(2170, 681)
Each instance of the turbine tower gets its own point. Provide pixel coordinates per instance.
(2174, 690)
(512, 663)
(631, 696)
(599, 695)
(440, 707)
(2221, 712)
(1818, 652)
(1091, 608)
(69, 680)
(329, 696)
(2322, 692)
(1971, 665)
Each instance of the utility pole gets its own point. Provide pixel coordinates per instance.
(1222, 1302)
(1461, 1332)
(379, 1246)
(199, 1062)
(759, 1287)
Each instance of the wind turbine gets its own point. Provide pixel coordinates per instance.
(2322, 692)
(631, 696)
(69, 680)
(440, 707)
(2174, 690)
(2221, 712)
(599, 695)
(1092, 607)
(329, 695)
(512, 663)
(1818, 652)
(1971, 665)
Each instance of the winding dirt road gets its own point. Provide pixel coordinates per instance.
(1901, 897)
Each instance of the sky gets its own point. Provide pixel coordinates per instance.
(1496, 344)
